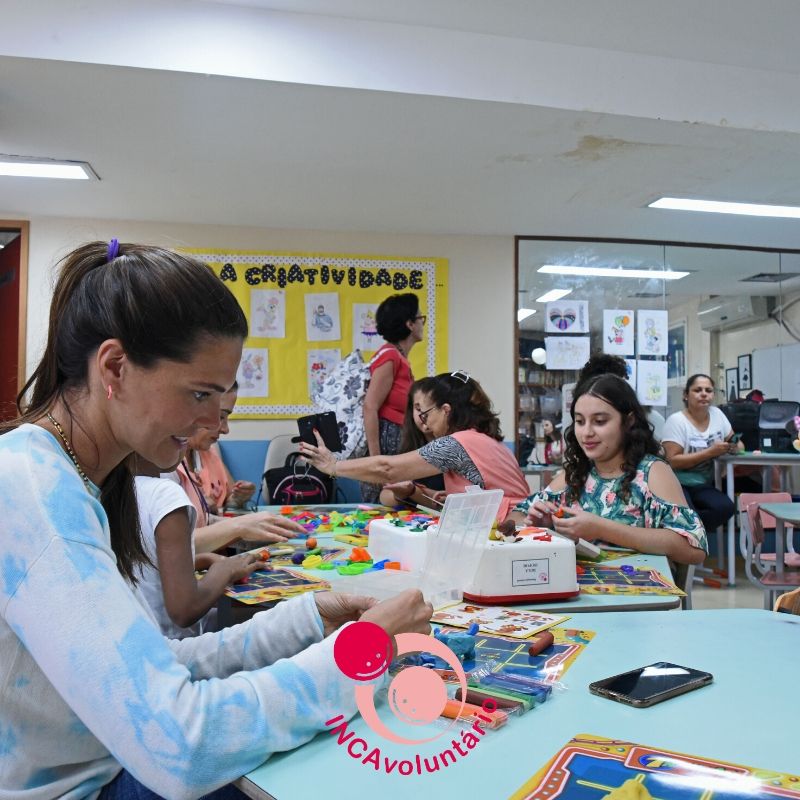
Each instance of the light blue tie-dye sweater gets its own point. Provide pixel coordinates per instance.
(88, 683)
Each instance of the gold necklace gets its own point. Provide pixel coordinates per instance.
(70, 451)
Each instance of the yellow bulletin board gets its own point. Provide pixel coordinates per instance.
(306, 311)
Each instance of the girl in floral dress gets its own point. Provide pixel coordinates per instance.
(615, 486)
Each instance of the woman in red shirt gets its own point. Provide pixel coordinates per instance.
(401, 325)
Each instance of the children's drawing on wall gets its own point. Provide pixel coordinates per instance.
(651, 381)
(618, 332)
(268, 313)
(630, 368)
(567, 316)
(253, 372)
(566, 352)
(652, 330)
(323, 323)
(365, 329)
(320, 363)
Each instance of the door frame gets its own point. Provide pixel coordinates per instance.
(23, 226)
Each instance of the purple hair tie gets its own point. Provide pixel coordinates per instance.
(113, 250)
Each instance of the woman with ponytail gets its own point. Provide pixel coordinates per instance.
(615, 487)
(94, 701)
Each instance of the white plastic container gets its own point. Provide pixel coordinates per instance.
(453, 552)
(398, 543)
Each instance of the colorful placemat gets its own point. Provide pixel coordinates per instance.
(277, 584)
(591, 767)
(596, 579)
(498, 620)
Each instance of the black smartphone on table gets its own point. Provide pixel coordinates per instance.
(652, 684)
(326, 425)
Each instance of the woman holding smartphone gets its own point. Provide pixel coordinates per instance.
(692, 439)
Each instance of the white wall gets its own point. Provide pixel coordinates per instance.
(482, 306)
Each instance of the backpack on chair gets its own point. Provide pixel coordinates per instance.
(343, 392)
(296, 484)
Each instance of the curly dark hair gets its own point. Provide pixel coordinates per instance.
(637, 438)
(470, 406)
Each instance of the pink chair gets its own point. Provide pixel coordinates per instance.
(760, 567)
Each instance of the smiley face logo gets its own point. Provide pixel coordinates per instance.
(417, 695)
(363, 651)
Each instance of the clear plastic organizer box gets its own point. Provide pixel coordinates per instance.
(452, 555)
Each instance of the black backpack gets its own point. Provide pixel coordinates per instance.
(296, 484)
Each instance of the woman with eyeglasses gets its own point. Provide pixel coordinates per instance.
(467, 446)
(399, 322)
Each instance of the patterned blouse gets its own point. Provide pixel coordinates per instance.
(643, 509)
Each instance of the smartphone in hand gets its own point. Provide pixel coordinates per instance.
(652, 684)
(326, 425)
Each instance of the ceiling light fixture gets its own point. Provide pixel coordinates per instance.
(524, 313)
(611, 272)
(718, 207)
(23, 167)
(553, 294)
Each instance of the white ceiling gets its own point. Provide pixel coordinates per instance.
(172, 144)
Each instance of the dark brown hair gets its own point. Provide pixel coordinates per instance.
(470, 407)
(637, 434)
(690, 383)
(159, 305)
(411, 437)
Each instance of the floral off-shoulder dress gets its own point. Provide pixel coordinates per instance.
(642, 509)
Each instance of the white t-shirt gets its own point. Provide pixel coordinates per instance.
(157, 497)
(680, 429)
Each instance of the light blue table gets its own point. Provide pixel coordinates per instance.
(751, 653)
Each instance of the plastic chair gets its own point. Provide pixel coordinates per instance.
(760, 568)
(788, 603)
(280, 448)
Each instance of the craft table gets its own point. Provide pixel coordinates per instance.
(784, 461)
(711, 722)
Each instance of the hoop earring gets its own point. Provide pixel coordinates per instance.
(110, 392)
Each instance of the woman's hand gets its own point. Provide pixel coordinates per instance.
(402, 490)
(266, 527)
(319, 456)
(578, 524)
(407, 612)
(336, 608)
(720, 448)
(205, 560)
(541, 514)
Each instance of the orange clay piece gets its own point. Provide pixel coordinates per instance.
(392, 565)
(264, 555)
(559, 513)
(359, 554)
(311, 543)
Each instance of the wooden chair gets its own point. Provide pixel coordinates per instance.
(788, 603)
(760, 568)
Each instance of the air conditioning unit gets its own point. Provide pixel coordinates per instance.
(723, 313)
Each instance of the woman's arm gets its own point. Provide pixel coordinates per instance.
(372, 469)
(380, 384)
(259, 527)
(679, 460)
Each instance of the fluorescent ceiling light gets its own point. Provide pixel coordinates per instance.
(611, 272)
(553, 294)
(19, 167)
(524, 313)
(717, 207)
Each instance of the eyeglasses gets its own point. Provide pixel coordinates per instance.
(422, 317)
(461, 375)
(423, 415)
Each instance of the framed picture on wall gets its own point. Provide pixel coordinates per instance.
(676, 353)
(731, 384)
(745, 373)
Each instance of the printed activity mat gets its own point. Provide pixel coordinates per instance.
(497, 654)
(498, 620)
(590, 767)
(279, 584)
(607, 554)
(596, 579)
(280, 555)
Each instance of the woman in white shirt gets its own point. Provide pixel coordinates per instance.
(692, 439)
